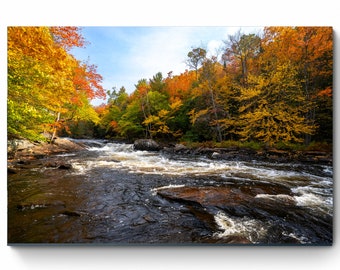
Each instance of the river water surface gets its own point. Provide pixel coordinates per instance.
(116, 195)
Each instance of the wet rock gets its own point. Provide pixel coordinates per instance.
(51, 164)
(71, 213)
(278, 205)
(114, 160)
(27, 164)
(23, 162)
(253, 201)
(282, 199)
(177, 149)
(180, 147)
(146, 145)
(215, 155)
(232, 239)
(65, 166)
(19, 145)
(206, 196)
(25, 150)
(40, 204)
(149, 219)
(11, 171)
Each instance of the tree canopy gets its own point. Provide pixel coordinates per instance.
(269, 88)
(46, 84)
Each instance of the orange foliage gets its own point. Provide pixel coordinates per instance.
(325, 93)
(87, 80)
(102, 109)
(67, 37)
(113, 124)
(178, 86)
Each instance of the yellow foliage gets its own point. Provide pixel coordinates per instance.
(194, 116)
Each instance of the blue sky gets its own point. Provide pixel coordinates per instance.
(124, 55)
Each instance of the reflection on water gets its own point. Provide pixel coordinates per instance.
(116, 195)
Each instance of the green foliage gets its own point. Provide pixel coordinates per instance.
(130, 124)
(274, 90)
(47, 87)
(289, 146)
(319, 146)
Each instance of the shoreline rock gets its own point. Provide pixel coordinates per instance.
(146, 145)
(248, 154)
(24, 150)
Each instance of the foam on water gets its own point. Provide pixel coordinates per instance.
(122, 156)
(309, 189)
(251, 229)
(154, 190)
(308, 197)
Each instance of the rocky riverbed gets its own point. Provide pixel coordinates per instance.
(105, 192)
(25, 152)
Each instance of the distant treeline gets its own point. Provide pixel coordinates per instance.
(273, 87)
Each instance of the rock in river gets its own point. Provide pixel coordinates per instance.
(206, 196)
(146, 145)
(236, 200)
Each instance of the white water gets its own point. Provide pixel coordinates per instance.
(122, 156)
(248, 228)
(309, 190)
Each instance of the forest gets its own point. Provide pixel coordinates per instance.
(274, 88)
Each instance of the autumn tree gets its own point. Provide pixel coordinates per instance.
(310, 49)
(316, 44)
(45, 82)
(39, 80)
(208, 92)
(112, 113)
(161, 110)
(130, 124)
(242, 49)
(272, 109)
(273, 88)
(195, 58)
(157, 83)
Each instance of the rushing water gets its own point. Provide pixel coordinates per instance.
(116, 195)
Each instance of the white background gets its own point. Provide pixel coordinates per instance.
(160, 12)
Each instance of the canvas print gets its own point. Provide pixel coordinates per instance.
(170, 135)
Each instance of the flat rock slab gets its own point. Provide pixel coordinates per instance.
(207, 196)
(244, 200)
(28, 151)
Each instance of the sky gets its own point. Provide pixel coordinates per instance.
(124, 55)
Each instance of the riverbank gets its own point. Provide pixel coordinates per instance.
(248, 154)
(237, 153)
(24, 150)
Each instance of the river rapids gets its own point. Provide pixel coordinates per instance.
(112, 194)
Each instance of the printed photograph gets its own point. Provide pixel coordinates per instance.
(170, 135)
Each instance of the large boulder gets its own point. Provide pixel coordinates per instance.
(146, 145)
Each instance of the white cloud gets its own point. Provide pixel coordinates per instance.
(215, 48)
(161, 49)
(125, 55)
(164, 49)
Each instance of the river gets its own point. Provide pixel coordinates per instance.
(116, 195)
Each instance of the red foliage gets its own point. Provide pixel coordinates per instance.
(325, 93)
(67, 36)
(87, 80)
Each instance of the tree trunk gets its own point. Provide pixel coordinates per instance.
(55, 128)
(218, 128)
